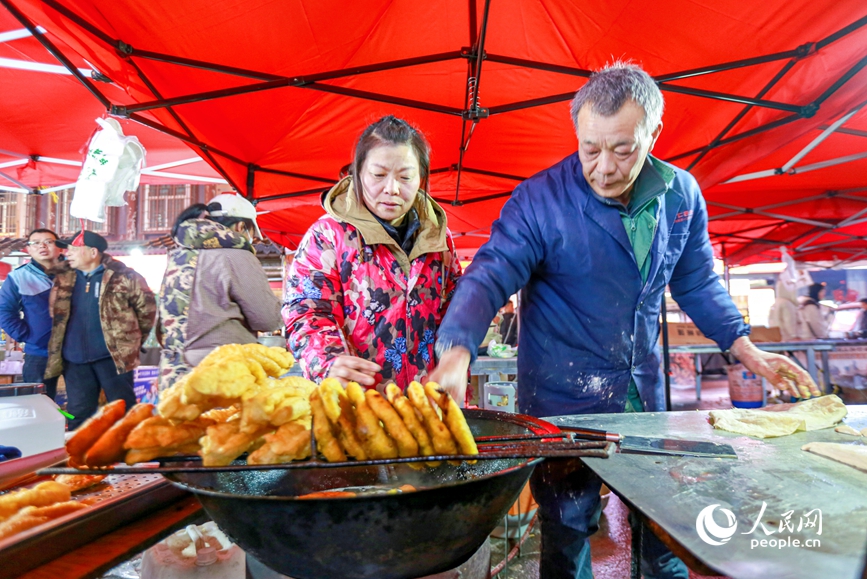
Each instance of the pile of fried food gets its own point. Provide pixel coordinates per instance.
(30, 507)
(219, 410)
(361, 424)
(234, 402)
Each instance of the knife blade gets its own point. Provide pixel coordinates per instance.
(647, 445)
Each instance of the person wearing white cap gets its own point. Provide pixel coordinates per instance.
(215, 291)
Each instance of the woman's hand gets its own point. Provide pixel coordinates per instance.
(353, 369)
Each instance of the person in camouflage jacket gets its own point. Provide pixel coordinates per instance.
(214, 292)
(126, 307)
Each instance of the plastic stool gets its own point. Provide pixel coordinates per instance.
(499, 396)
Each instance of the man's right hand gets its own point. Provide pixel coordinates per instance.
(451, 372)
(352, 369)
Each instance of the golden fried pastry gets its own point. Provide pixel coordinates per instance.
(157, 431)
(93, 428)
(41, 495)
(54, 511)
(440, 435)
(290, 442)
(137, 455)
(217, 415)
(20, 523)
(225, 442)
(275, 406)
(109, 448)
(454, 419)
(171, 405)
(394, 426)
(326, 437)
(342, 415)
(226, 379)
(78, 482)
(412, 420)
(377, 444)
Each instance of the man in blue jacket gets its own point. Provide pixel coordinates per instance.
(593, 241)
(24, 313)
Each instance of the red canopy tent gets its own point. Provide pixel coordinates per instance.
(273, 94)
(48, 117)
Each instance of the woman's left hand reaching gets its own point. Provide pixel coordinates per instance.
(353, 369)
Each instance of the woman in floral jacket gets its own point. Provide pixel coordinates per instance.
(372, 278)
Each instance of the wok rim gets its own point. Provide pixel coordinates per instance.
(536, 425)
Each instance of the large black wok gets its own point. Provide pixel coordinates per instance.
(386, 536)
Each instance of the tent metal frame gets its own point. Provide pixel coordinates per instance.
(472, 113)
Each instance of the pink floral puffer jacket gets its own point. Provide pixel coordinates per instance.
(353, 290)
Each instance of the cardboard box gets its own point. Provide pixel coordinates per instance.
(680, 334)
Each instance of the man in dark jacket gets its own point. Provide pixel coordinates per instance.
(593, 241)
(24, 314)
(102, 310)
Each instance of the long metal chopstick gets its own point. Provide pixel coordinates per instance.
(596, 449)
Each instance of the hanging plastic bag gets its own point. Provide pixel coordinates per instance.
(112, 167)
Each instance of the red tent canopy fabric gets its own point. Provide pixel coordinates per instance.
(48, 117)
(274, 94)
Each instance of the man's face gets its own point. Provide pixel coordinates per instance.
(81, 257)
(613, 149)
(41, 247)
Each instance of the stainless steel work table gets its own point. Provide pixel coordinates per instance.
(672, 491)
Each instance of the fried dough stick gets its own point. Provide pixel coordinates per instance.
(440, 435)
(290, 442)
(30, 517)
(377, 443)
(225, 442)
(411, 420)
(454, 419)
(326, 438)
(394, 426)
(43, 494)
(93, 428)
(109, 448)
(342, 415)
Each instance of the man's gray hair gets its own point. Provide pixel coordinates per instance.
(608, 90)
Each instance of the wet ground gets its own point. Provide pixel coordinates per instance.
(611, 545)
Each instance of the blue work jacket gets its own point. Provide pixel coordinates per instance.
(24, 312)
(588, 322)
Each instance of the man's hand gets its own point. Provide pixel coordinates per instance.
(352, 369)
(776, 369)
(451, 373)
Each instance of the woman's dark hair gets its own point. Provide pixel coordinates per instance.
(814, 290)
(201, 211)
(194, 211)
(391, 131)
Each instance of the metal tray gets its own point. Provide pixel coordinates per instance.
(116, 501)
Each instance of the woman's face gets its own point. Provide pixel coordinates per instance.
(391, 179)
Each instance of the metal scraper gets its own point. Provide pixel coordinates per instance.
(645, 445)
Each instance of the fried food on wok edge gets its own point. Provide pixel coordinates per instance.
(235, 402)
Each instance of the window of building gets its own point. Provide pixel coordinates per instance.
(9, 214)
(70, 225)
(161, 204)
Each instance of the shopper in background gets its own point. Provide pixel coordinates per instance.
(215, 291)
(103, 311)
(784, 312)
(24, 313)
(815, 319)
(860, 329)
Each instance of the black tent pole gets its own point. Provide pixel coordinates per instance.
(666, 362)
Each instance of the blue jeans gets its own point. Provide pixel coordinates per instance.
(34, 371)
(569, 508)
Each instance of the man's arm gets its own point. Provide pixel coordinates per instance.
(142, 302)
(500, 268)
(10, 311)
(696, 288)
